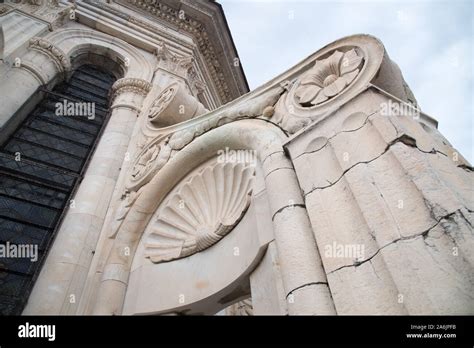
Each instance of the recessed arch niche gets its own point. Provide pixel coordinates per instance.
(212, 277)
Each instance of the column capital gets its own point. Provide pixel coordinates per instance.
(173, 63)
(129, 92)
(130, 84)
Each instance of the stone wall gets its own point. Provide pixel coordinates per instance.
(325, 191)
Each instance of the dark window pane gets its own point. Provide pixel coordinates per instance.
(39, 166)
(44, 155)
(27, 212)
(52, 142)
(21, 233)
(61, 131)
(34, 193)
(35, 171)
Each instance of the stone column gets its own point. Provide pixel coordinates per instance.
(304, 280)
(62, 278)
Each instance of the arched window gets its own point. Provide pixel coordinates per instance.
(41, 164)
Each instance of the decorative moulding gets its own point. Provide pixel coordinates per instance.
(181, 66)
(291, 100)
(4, 9)
(60, 59)
(167, 141)
(214, 62)
(148, 162)
(249, 106)
(203, 209)
(197, 29)
(51, 11)
(169, 61)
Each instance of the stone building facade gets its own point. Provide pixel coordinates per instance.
(146, 179)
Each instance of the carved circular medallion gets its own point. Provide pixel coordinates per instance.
(161, 102)
(148, 162)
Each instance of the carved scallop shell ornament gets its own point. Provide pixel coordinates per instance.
(201, 212)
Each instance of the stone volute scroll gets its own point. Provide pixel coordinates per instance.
(335, 75)
(173, 105)
(205, 208)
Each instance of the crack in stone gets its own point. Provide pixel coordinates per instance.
(430, 207)
(344, 131)
(466, 167)
(388, 208)
(465, 217)
(422, 234)
(405, 139)
(299, 205)
(305, 285)
(271, 154)
(274, 170)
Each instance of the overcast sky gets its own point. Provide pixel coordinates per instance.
(431, 41)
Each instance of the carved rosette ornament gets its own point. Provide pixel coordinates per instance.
(200, 212)
(328, 77)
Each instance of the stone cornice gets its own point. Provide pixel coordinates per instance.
(49, 11)
(59, 58)
(228, 83)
